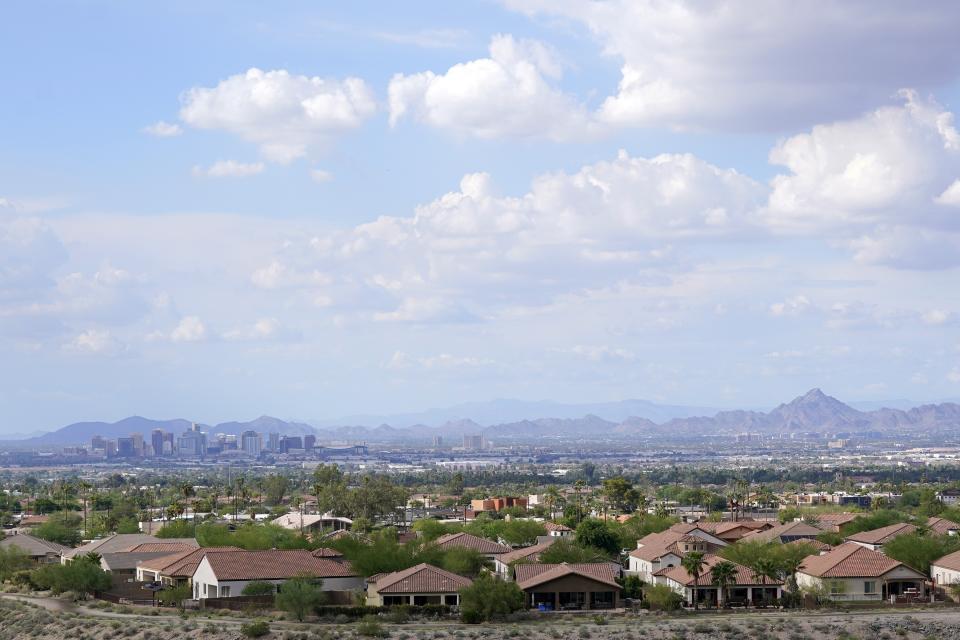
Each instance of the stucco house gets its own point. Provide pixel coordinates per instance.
(484, 547)
(787, 532)
(420, 585)
(662, 550)
(746, 587)
(942, 526)
(552, 587)
(946, 570)
(40, 551)
(312, 522)
(556, 530)
(525, 554)
(224, 574)
(876, 538)
(855, 572)
(176, 568)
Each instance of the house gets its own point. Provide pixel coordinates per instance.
(821, 547)
(942, 526)
(946, 570)
(224, 574)
(657, 551)
(833, 521)
(176, 568)
(526, 554)
(124, 542)
(552, 587)
(40, 551)
(855, 572)
(746, 587)
(787, 532)
(420, 585)
(876, 538)
(313, 522)
(482, 546)
(555, 530)
(732, 531)
(498, 504)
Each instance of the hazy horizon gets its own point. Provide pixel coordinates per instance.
(230, 210)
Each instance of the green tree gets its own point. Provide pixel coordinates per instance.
(176, 529)
(174, 596)
(724, 574)
(661, 597)
(566, 551)
(693, 563)
(82, 576)
(919, 551)
(275, 486)
(597, 534)
(489, 597)
(12, 559)
(465, 562)
(61, 527)
(299, 596)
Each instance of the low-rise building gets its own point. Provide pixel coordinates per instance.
(39, 550)
(745, 588)
(942, 526)
(420, 585)
(174, 569)
(224, 574)
(946, 570)
(855, 572)
(553, 587)
(484, 547)
(876, 538)
(526, 554)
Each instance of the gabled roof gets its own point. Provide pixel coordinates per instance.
(949, 561)
(161, 547)
(274, 564)
(470, 541)
(32, 545)
(182, 564)
(850, 560)
(786, 530)
(553, 526)
(122, 542)
(531, 575)
(656, 545)
(423, 578)
(325, 552)
(813, 542)
(526, 552)
(883, 534)
(834, 520)
(743, 575)
(942, 526)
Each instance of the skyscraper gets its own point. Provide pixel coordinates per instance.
(156, 439)
(251, 443)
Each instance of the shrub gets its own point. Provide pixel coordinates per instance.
(258, 588)
(371, 628)
(491, 597)
(255, 629)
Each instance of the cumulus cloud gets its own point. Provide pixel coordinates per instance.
(163, 129)
(601, 353)
(793, 306)
(321, 176)
(283, 113)
(704, 65)
(229, 169)
(94, 341)
(401, 360)
(511, 93)
(264, 329)
(190, 329)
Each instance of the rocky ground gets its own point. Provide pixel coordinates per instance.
(50, 619)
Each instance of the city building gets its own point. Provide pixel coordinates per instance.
(251, 443)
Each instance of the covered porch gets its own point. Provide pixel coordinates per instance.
(571, 600)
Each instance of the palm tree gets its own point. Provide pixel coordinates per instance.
(578, 487)
(186, 490)
(693, 563)
(552, 497)
(724, 574)
(765, 568)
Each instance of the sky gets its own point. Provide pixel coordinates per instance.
(217, 210)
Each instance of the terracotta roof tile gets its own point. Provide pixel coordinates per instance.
(883, 534)
(525, 552)
(849, 560)
(788, 529)
(161, 547)
(942, 526)
(274, 564)
(32, 545)
(470, 541)
(531, 575)
(182, 564)
(743, 576)
(950, 561)
(423, 578)
(553, 526)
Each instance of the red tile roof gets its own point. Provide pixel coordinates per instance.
(325, 552)
(423, 578)
(526, 552)
(833, 521)
(743, 575)
(883, 534)
(813, 542)
(950, 561)
(182, 564)
(849, 560)
(789, 529)
(470, 541)
(942, 526)
(275, 564)
(161, 547)
(553, 526)
(532, 575)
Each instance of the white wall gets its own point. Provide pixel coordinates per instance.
(206, 584)
(944, 576)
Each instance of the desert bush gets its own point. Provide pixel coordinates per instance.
(255, 629)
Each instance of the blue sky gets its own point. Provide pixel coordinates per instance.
(217, 210)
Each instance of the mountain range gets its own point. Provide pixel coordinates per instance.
(813, 412)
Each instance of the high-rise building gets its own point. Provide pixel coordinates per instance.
(274, 444)
(98, 442)
(437, 442)
(156, 439)
(473, 442)
(137, 444)
(251, 443)
(309, 442)
(192, 443)
(167, 443)
(125, 448)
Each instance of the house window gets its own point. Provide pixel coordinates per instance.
(450, 599)
(836, 587)
(869, 587)
(204, 589)
(224, 592)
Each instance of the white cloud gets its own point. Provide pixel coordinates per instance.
(937, 317)
(950, 195)
(954, 375)
(279, 276)
(285, 114)
(709, 65)
(602, 353)
(507, 94)
(229, 169)
(163, 129)
(906, 247)
(401, 360)
(321, 176)
(94, 341)
(262, 329)
(887, 166)
(190, 329)
(791, 306)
